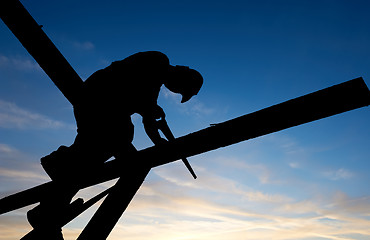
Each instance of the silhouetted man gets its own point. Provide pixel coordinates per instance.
(110, 96)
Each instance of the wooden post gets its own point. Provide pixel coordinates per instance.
(108, 214)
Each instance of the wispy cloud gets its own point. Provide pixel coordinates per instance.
(217, 184)
(171, 216)
(174, 216)
(194, 107)
(22, 175)
(17, 166)
(196, 212)
(170, 205)
(19, 63)
(338, 174)
(13, 227)
(10, 155)
(87, 45)
(165, 209)
(12, 116)
(6, 149)
(261, 171)
(351, 205)
(294, 165)
(290, 148)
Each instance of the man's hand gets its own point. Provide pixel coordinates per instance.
(150, 122)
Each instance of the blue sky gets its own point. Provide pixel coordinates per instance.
(307, 182)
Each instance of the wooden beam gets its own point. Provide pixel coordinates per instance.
(327, 102)
(41, 48)
(114, 205)
(324, 103)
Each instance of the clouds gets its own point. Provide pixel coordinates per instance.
(19, 63)
(14, 117)
(171, 205)
(18, 171)
(9, 155)
(339, 174)
(192, 108)
(306, 158)
(196, 212)
(5, 149)
(212, 182)
(20, 167)
(13, 227)
(22, 175)
(336, 217)
(86, 46)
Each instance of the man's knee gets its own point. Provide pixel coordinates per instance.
(56, 162)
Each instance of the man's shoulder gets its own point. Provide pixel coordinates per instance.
(154, 53)
(151, 53)
(153, 57)
(148, 59)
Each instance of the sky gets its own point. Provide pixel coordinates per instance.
(308, 182)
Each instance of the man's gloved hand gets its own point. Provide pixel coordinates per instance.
(151, 119)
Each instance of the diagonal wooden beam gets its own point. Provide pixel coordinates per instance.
(324, 103)
(41, 48)
(112, 208)
(327, 102)
(76, 208)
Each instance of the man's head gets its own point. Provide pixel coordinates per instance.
(185, 81)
